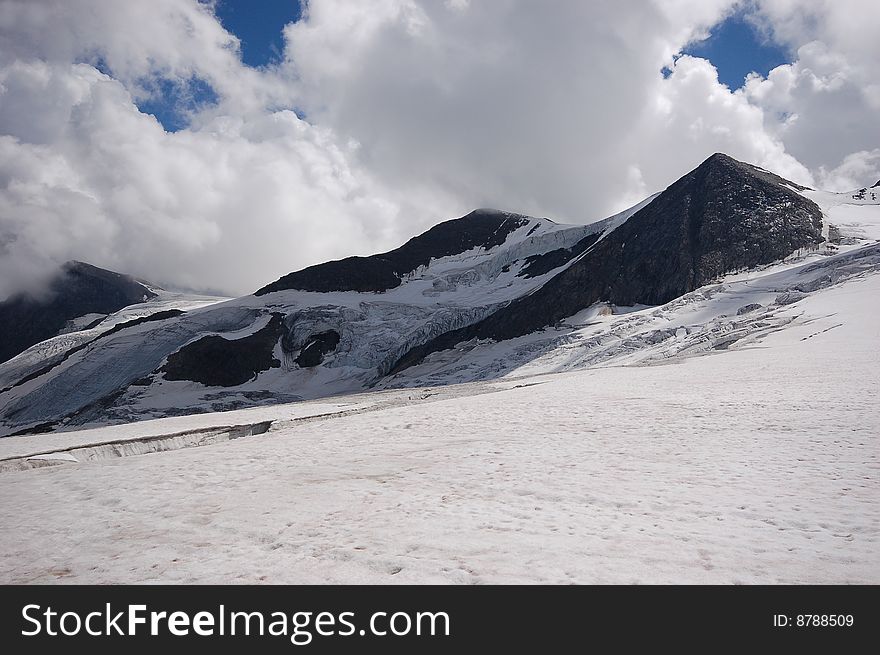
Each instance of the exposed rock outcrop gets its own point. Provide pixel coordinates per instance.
(722, 216)
(76, 290)
(219, 362)
(483, 228)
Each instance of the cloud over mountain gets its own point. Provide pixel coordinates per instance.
(384, 118)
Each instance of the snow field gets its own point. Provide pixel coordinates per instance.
(752, 465)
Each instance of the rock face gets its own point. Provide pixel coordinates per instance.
(215, 361)
(319, 344)
(536, 265)
(77, 289)
(723, 216)
(484, 228)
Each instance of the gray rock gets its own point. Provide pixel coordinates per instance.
(748, 308)
(790, 297)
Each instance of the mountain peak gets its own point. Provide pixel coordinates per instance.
(722, 157)
(728, 165)
(486, 211)
(76, 266)
(481, 228)
(76, 289)
(722, 216)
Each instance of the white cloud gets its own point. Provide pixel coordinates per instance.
(824, 105)
(248, 194)
(501, 104)
(563, 112)
(856, 170)
(415, 111)
(137, 40)
(692, 115)
(820, 106)
(227, 207)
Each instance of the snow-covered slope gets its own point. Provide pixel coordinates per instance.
(754, 464)
(854, 212)
(716, 257)
(116, 376)
(50, 351)
(741, 309)
(728, 434)
(75, 296)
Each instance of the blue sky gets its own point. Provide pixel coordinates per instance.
(734, 47)
(171, 102)
(258, 26)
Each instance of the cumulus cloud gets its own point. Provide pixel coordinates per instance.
(141, 42)
(415, 111)
(692, 113)
(224, 208)
(513, 104)
(563, 112)
(823, 105)
(858, 169)
(245, 196)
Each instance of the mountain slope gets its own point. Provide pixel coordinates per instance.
(77, 290)
(723, 216)
(322, 342)
(482, 279)
(752, 465)
(483, 228)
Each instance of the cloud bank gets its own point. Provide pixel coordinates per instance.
(414, 112)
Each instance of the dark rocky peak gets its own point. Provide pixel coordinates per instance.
(722, 216)
(727, 165)
(79, 273)
(96, 288)
(876, 184)
(75, 290)
(483, 228)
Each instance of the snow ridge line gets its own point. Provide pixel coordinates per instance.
(127, 447)
(114, 448)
